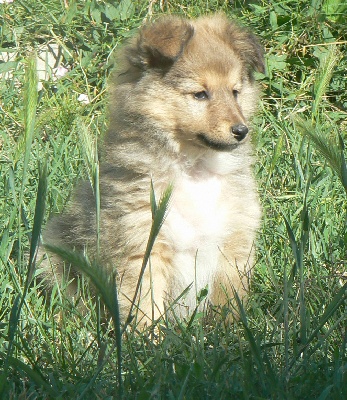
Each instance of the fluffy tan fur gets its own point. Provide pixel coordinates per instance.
(181, 99)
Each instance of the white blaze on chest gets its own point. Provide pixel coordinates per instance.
(196, 225)
(195, 213)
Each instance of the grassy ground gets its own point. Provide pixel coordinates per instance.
(291, 340)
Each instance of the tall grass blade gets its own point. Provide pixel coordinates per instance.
(338, 300)
(19, 300)
(38, 220)
(276, 155)
(158, 217)
(254, 348)
(32, 374)
(30, 106)
(89, 147)
(343, 163)
(153, 200)
(298, 253)
(323, 76)
(294, 246)
(105, 284)
(305, 224)
(286, 320)
(326, 393)
(12, 328)
(102, 280)
(185, 383)
(97, 197)
(332, 152)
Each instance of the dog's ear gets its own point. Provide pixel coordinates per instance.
(161, 43)
(248, 48)
(254, 54)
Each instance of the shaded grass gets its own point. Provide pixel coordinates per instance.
(290, 342)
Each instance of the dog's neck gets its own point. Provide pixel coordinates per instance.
(211, 162)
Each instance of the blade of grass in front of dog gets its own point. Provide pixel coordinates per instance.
(171, 307)
(101, 279)
(89, 150)
(96, 185)
(159, 212)
(106, 287)
(97, 198)
(153, 200)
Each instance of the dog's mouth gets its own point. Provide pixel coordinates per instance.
(216, 145)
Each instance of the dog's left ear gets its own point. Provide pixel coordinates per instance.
(254, 55)
(161, 43)
(248, 48)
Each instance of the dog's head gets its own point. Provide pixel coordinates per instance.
(195, 78)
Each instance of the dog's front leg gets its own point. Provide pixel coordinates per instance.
(148, 302)
(233, 274)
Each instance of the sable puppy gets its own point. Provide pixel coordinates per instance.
(181, 99)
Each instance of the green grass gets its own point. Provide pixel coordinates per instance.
(290, 342)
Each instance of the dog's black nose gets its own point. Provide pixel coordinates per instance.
(239, 131)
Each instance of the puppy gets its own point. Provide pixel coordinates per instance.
(181, 99)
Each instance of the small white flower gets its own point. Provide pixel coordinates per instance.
(6, 1)
(60, 71)
(83, 98)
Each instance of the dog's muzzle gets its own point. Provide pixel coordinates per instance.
(239, 131)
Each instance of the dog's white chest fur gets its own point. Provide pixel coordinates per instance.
(196, 225)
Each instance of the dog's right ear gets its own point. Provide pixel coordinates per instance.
(160, 44)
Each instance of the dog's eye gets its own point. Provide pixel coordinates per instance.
(203, 95)
(236, 94)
